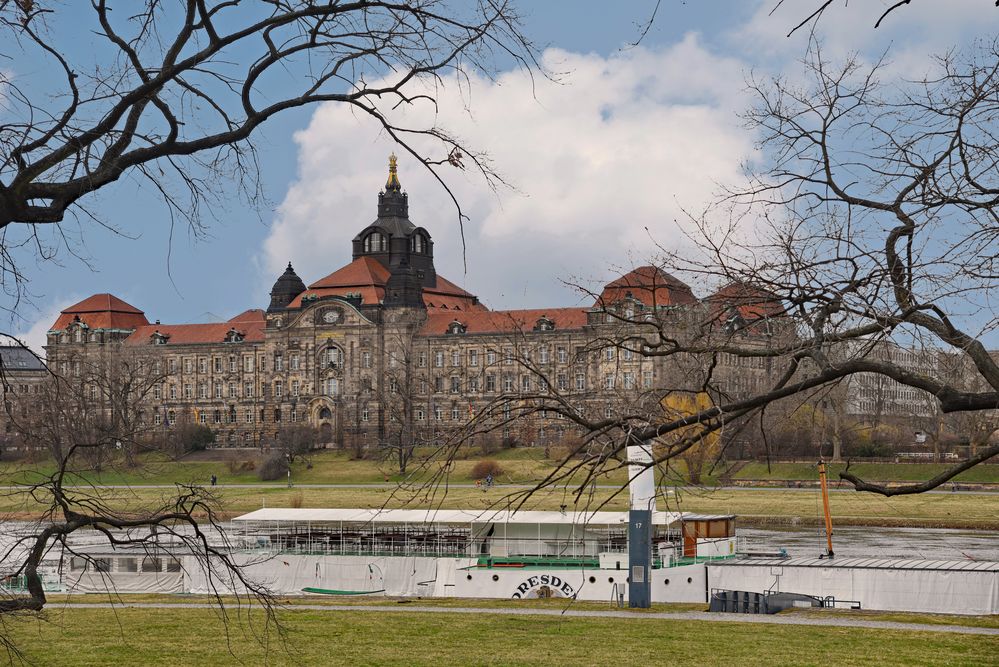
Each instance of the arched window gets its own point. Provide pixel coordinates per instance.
(418, 244)
(325, 414)
(332, 357)
(375, 242)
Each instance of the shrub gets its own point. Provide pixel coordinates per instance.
(484, 468)
(297, 499)
(273, 467)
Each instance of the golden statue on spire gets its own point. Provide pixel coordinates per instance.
(393, 178)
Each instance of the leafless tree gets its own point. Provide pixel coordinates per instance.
(171, 94)
(870, 220)
(91, 421)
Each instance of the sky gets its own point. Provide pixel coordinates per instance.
(601, 162)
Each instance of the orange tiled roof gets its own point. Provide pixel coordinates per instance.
(650, 285)
(503, 321)
(362, 271)
(251, 315)
(189, 334)
(367, 277)
(752, 303)
(102, 311)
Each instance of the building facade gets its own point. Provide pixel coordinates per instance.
(385, 350)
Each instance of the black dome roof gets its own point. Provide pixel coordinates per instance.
(285, 289)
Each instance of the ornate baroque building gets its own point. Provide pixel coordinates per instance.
(384, 348)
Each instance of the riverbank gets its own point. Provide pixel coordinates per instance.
(765, 508)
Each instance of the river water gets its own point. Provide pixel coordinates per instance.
(928, 543)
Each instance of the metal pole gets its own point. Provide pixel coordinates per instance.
(825, 505)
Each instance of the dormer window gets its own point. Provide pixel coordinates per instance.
(417, 244)
(456, 327)
(544, 323)
(375, 242)
(233, 336)
(159, 338)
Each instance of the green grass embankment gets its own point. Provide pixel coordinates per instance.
(74, 637)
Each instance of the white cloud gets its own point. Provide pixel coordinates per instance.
(600, 160)
(34, 336)
(913, 33)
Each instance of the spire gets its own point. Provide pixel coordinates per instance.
(392, 184)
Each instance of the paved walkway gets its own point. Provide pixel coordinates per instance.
(789, 619)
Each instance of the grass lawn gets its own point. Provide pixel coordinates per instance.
(522, 465)
(757, 506)
(78, 637)
(901, 472)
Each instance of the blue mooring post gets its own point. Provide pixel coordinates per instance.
(639, 559)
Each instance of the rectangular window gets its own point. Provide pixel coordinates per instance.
(278, 362)
(248, 389)
(294, 414)
(173, 391)
(277, 414)
(394, 385)
(249, 416)
(543, 353)
(490, 383)
(563, 355)
(157, 417)
(609, 381)
(647, 380)
(203, 417)
(202, 365)
(473, 357)
(609, 354)
(455, 385)
(172, 365)
(473, 385)
(439, 359)
(628, 354)
(202, 390)
(629, 380)
(294, 364)
(157, 392)
(420, 415)
(525, 383)
(278, 389)
(561, 382)
(454, 414)
(218, 364)
(580, 382)
(507, 356)
(422, 360)
(507, 383)
(423, 386)
(365, 359)
(294, 389)
(455, 358)
(218, 390)
(491, 357)
(438, 383)
(188, 391)
(439, 413)
(248, 364)
(365, 415)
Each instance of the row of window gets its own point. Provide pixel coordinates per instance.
(541, 354)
